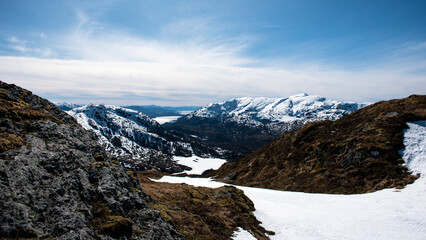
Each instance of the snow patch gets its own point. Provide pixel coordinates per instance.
(198, 164)
(242, 234)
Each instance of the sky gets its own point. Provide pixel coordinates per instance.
(194, 52)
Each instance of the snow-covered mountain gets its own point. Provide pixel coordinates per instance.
(246, 124)
(66, 106)
(136, 139)
(260, 111)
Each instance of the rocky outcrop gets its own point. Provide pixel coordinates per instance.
(355, 154)
(57, 182)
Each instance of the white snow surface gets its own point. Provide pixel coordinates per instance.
(166, 119)
(261, 110)
(386, 214)
(242, 234)
(198, 164)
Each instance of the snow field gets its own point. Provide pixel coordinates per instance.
(385, 214)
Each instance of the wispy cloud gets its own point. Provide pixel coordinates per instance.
(90, 40)
(26, 47)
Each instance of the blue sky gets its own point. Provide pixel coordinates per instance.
(197, 52)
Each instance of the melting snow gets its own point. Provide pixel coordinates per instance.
(385, 214)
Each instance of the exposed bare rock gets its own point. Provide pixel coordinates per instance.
(57, 182)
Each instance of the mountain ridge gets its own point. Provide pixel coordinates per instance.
(355, 154)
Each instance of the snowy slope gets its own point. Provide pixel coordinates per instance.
(259, 111)
(123, 131)
(132, 135)
(386, 214)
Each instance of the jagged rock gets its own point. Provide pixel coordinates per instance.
(57, 182)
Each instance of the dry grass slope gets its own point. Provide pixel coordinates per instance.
(202, 213)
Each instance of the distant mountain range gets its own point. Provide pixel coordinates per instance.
(246, 124)
(66, 106)
(229, 129)
(159, 111)
(139, 141)
(151, 111)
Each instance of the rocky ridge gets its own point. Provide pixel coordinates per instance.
(56, 181)
(356, 154)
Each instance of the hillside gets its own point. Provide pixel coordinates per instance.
(202, 213)
(246, 124)
(355, 154)
(57, 182)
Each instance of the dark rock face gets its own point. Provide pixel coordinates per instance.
(56, 180)
(356, 154)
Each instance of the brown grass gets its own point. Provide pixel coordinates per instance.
(106, 223)
(10, 141)
(202, 213)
